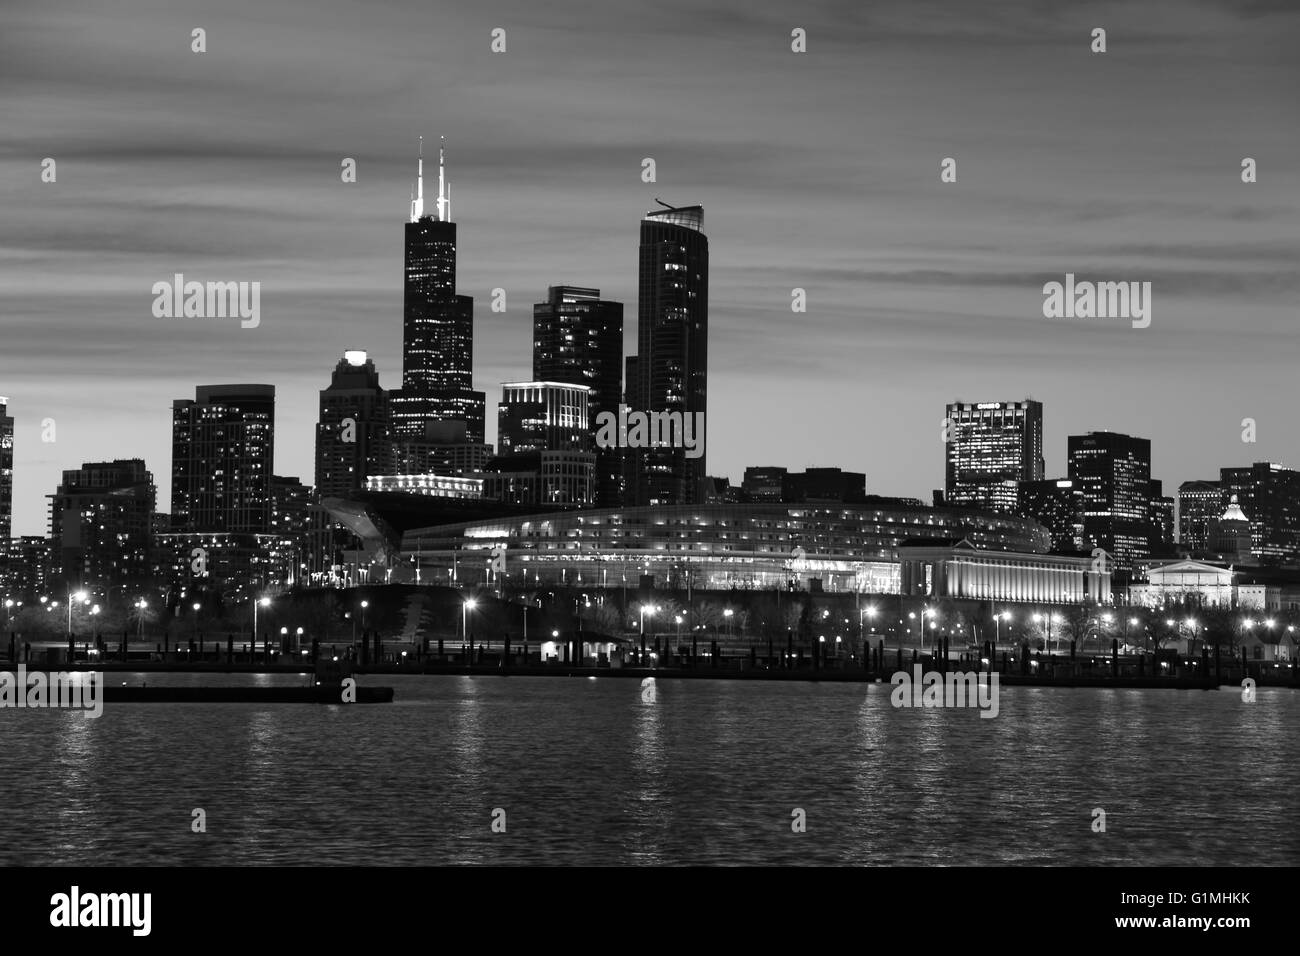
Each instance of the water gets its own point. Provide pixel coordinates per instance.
(709, 772)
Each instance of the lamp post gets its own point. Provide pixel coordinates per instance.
(727, 613)
(196, 606)
(252, 645)
(299, 647)
(997, 627)
(644, 611)
(9, 613)
(79, 596)
(465, 606)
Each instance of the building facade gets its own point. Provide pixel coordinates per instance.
(223, 446)
(1269, 494)
(1199, 502)
(578, 340)
(544, 416)
(437, 327)
(101, 524)
(1056, 504)
(352, 432)
(1114, 473)
(990, 448)
(672, 358)
(6, 470)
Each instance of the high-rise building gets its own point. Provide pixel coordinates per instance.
(544, 416)
(101, 523)
(1114, 473)
(578, 340)
(1056, 504)
(1199, 503)
(1269, 494)
(764, 483)
(437, 326)
(1160, 520)
(6, 470)
(672, 351)
(991, 447)
(442, 450)
(352, 435)
(223, 453)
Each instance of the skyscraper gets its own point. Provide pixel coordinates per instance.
(990, 448)
(352, 434)
(672, 359)
(223, 451)
(1269, 494)
(437, 326)
(1056, 504)
(1114, 473)
(101, 521)
(578, 340)
(6, 470)
(1199, 503)
(544, 416)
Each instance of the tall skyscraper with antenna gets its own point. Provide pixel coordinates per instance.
(437, 325)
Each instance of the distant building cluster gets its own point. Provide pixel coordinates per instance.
(406, 486)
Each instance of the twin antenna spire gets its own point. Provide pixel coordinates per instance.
(444, 188)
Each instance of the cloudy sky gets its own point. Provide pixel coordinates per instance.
(817, 170)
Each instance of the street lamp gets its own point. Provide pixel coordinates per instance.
(997, 627)
(467, 605)
(196, 607)
(79, 596)
(727, 613)
(259, 602)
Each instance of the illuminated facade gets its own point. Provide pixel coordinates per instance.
(1056, 504)
(223, 446)
(841, 547)
(544, 416)
(990, 448)
(1199, 503)
(439, 486)
(578, 340)
(960, 570)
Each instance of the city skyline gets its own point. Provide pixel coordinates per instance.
(843, 201)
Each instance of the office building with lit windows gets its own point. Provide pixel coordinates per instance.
(990, 448)
(1199, 503)
(1114, 473)
(437, 327)
(352, 431)
(672, 361)
(578, 340)
(1056, 504)
(223, 444)
(1269, 494)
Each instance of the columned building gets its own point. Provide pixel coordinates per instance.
(957, 569)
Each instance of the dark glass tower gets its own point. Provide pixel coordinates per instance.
(1114, 473)
(672, 359)
(437, 327)
(352, 438)
(6, 471)
(578, 340)
(223, 445)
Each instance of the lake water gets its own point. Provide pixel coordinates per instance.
(705, 772)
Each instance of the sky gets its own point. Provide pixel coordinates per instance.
(817, 170)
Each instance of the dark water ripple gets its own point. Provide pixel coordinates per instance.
(708, 773)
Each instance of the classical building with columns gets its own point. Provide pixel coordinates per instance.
(958, 569)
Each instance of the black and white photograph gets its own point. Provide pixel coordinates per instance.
(847, 448)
